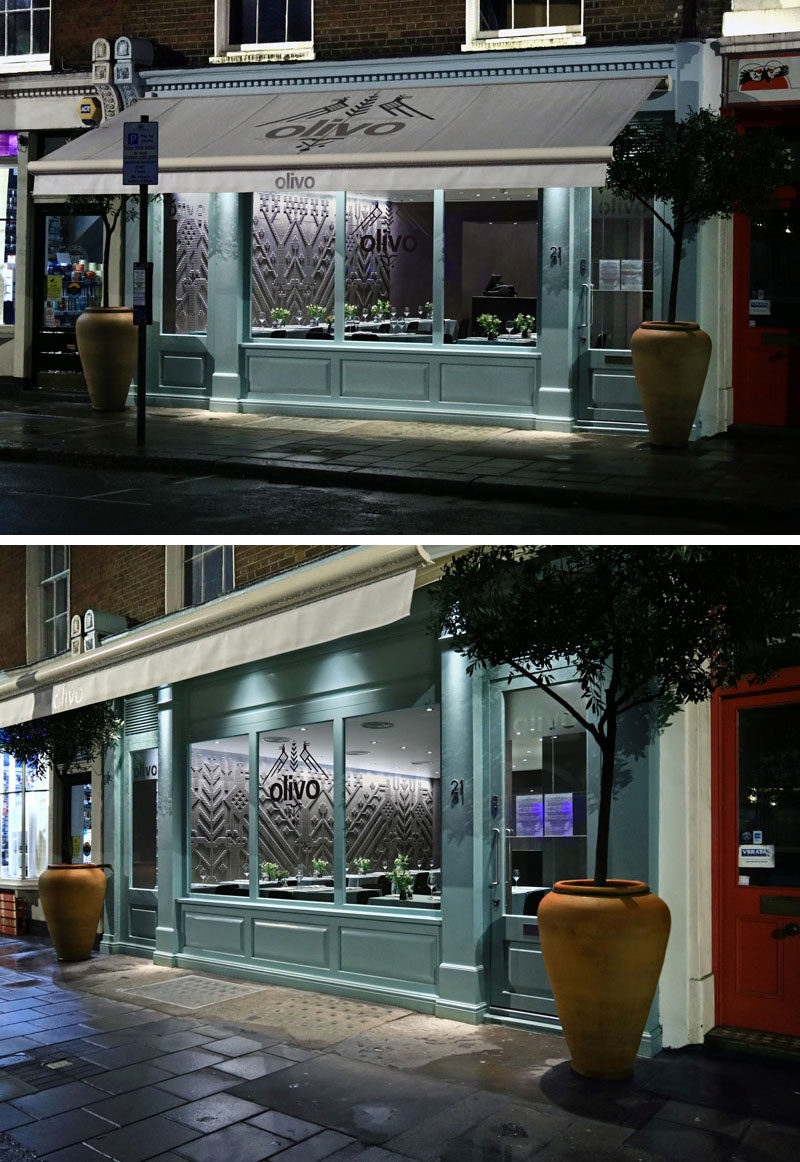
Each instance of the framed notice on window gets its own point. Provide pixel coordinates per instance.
(631, 274)
(558, 814)
(529, 815)
(608, 274)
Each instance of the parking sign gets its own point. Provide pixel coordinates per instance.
(140, 153)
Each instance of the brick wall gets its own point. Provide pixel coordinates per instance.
(12, 607)
(258, 562)
(183, 32)
(118, 579)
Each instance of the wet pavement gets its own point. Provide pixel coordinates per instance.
(749, 479)
(93, 1065)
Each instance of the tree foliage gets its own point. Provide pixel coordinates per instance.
(702, 167)
(652, 627)
(63, 740)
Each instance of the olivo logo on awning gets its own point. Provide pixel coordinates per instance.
(335, 122)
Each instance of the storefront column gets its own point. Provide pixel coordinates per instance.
(462, 985)
(229, 227)
(438, 267)
(171, 828)
(558, 307)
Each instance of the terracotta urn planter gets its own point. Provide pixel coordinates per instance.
(108, 346)
(670, 361)
(72, 897)
(603, 949)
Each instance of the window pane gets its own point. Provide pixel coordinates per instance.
(546, 792)
(271, 22)
(389, 269)
(293, 253)
(185, 264)
(394, 805)
(219, 816)
(299, 20)
(8, 239)
(36, 803)
(243, 21)
(41, 30)
(60, 633)
(622, 268)
(769, 795)
(491, 263)
(144, 784)
(19, 33)
(295, 812)
(59, 559)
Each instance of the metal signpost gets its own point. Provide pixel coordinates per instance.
(140, 168)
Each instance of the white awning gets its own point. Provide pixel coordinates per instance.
(513, 134)
(309, 607)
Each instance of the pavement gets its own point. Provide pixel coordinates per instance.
(117, 1058)
(749, 479)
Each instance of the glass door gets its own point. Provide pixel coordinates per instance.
(539, 835)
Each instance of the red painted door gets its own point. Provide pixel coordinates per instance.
(766, 318)
(757, 856)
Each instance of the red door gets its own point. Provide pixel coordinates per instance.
(756, 846)
(766, 307)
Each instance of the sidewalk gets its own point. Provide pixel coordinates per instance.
(750, 479)
(115, 1058)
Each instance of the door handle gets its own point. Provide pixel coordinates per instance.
(588, 311)
(496, 842)
(787, 930)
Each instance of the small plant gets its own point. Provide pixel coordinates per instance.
(279, 315)
(316, 312)
(380, 308)
(361, 864)
(525, 324)
(350, 312)
(273, 871)
(401, 877)
(320, 866)
(490, 325)
(427, 310)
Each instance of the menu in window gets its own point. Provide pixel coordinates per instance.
(631, 274)
(530, 815)
(558, 814)
(608, 274)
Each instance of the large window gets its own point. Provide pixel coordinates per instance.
(185, 300)
(23, 821)
(54, 593)
(292, 271)
(516, 23)
(622, 269)
(264, 28)
(8, 223)
(392, 824)
(24, 32)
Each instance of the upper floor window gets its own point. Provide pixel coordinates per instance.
(523, 23)
(54, 593)
(207, 572)
(24, 35)
(263, 29)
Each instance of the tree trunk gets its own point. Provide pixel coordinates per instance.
(604, 812)
(677, 244)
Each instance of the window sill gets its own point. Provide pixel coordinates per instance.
(38, 63)
(265, 55)
(503, 43)
(26, 885)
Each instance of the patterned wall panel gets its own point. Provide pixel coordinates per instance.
(367, 274)
(185, 263)
(293, 252)
(219, 819)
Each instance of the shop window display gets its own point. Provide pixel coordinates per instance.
(293, 266)
(144, 790)
(8, 223)
(393, 822)
(389, 269)
(491, 264)
(220, 777)
(23, 821)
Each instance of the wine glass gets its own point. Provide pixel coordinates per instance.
(420, 310)
(431, 881)
(515, 876)
(262, 320)
(365, 313)
(406, 311)
(509, 325)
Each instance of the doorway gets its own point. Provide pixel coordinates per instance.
(756, 854)
(766, 307)
(68, 278)
(539, 835)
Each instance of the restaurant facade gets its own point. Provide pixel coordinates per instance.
(333, 236)
(284, 744)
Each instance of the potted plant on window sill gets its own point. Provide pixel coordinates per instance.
(490, 325)
(644, 629)
(71, 894)
(401, 878)
(700, 168)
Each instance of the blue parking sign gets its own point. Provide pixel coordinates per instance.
(140, 153)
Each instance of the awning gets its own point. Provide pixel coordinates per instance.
(512, 134)
(312, 606)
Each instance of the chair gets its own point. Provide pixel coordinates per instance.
(318, 333)
(384, 328)
(365, 335)
(449, 338)
(413, 325)
(281, 334)
(532, 901)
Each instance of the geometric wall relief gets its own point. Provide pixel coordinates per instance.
(293, 254)
(186, 263)
(219, 817)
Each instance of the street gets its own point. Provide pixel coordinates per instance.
(65, 501)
